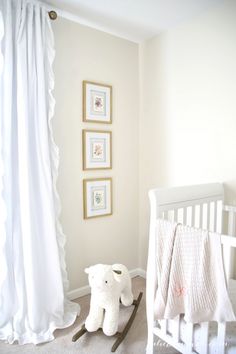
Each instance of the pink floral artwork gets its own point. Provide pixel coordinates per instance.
(98, 103)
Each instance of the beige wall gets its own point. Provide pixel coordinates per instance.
(188, 108)
(87, 54)
(174, 123)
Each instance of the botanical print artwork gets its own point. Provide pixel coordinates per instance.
(98, 103)
(98, 198)
(98, 150)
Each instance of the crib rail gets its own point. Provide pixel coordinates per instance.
(229, 241)
(187, 194)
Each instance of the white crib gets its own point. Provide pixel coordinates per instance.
(200, 206)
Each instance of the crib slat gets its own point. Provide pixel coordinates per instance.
(208, 216)
(175, 215)
(228, 252)
(227, 258)
(185, 216)
(221, 338)
(219, 216)
(204, 337)
(212, 217)
(215, 216)
(165, 214)
(189, 343)
(231, 223)
(176, 329)
(164, 326)
(193, 215)
(232, 232)
(201, 216)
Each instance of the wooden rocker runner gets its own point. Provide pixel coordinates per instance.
(120, 335)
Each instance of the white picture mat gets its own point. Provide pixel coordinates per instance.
(105, 91)
(90, 162)
(104, 185)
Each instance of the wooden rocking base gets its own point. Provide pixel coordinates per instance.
(120, 335)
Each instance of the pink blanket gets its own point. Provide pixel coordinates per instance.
(190, 275)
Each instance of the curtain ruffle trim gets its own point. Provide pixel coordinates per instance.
(55, 158)
(32, 337)
(3, 212)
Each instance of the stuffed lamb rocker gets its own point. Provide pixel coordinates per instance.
(109, 284)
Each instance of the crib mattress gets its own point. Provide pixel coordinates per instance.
(230, 341)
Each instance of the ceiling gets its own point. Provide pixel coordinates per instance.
(136, 20)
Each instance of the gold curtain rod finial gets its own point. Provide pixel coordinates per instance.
(52, 15)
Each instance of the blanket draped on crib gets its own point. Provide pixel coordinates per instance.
(190, 275)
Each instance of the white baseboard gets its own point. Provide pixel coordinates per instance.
(85, 290)
(138, 272)
(79, 292)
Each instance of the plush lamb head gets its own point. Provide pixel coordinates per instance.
(109, 284)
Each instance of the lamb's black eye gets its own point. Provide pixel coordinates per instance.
(106, 281)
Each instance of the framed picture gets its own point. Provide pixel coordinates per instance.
(97, 152)
(97, 102)
(97, 197)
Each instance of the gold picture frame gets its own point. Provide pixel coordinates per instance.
(97, 197)
(97, 149)
(97, 102)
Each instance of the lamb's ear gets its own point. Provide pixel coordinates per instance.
(86, 270)
(117, 275)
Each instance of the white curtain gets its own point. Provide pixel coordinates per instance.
(33, 278)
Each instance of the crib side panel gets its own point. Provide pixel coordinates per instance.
(198, 206)
(228, 251)
(204, 214)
